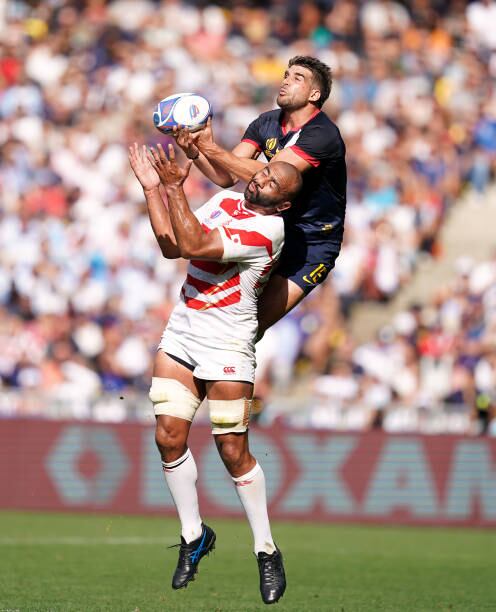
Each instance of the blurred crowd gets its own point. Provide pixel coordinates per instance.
(431, 370)
(84, 295)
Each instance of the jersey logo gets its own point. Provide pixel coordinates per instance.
(229, 370)
(215, 214)
(327, 227)
(271, 143)
(243, 483)
(316, 276)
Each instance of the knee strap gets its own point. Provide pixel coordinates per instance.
(229, 416)
(171, 397)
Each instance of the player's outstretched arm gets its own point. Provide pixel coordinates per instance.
(192, 241)
(157, 211)
(214, 172)
(240, 162)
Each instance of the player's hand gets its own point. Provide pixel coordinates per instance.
(205, 138)
(142, 168)
(186, 141)
(170, 172)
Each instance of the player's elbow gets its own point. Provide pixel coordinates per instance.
(187, 252)
(170, 254)
(168, 248)
(199, 251)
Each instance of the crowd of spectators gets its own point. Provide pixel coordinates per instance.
(433, 369)
(84, 294)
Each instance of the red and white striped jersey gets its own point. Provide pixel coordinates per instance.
(218, 300)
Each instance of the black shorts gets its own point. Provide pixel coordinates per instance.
(306, 264)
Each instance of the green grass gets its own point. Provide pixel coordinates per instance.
(82, 562)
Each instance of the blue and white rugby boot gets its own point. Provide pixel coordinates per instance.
(190, 556)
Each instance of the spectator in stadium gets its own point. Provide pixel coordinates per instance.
(208, 347)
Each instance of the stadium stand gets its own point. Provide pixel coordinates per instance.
(83, 293)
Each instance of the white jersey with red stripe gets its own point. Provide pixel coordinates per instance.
(218, 302)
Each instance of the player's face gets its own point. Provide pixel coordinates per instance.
(267, 188)
(297, 88)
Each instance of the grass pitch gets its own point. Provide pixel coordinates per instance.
(87, 562)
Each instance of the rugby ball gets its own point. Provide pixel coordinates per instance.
(188, 109)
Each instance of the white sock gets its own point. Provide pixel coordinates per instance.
(251, 491)
(181, 476)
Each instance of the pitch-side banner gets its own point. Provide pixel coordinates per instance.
(310, 475)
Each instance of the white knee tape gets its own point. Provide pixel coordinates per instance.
(171, 397)
(229, 416)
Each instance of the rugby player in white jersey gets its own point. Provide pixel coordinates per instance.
(208, 347)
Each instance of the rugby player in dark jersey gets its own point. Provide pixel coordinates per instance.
(301, 134)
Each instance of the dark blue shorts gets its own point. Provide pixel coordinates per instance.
(306, 264)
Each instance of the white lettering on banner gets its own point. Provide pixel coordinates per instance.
(218, 485)
(319, 480)
(62, 465)
(473, 477)
(402, 479)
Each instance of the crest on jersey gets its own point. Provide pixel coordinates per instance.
(270, 143)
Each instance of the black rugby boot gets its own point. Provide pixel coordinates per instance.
(190, 556)
(272, 576)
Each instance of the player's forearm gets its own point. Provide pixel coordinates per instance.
(214, 171)
(242, 167)
(161, 223)
(186, 227)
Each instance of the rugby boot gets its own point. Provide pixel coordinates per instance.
(190, 556)
(272, 576)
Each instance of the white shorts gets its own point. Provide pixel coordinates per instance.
(206, 362)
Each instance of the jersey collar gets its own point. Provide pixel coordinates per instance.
(283, 122)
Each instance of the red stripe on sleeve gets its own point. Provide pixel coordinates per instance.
(308, 158)
(252, 142)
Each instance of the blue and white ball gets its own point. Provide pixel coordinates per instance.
(188, 109)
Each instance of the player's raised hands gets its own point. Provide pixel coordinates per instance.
(205, 137)
(142, 167)
(169, 171)
(186, 141)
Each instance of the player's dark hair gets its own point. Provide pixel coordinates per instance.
(321, 74)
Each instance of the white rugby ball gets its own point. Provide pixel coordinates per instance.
(188, 109)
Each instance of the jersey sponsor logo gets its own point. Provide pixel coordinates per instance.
(316, 276)
(216, 214)
(229, 370)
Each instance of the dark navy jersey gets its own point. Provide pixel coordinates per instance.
(319, 209)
